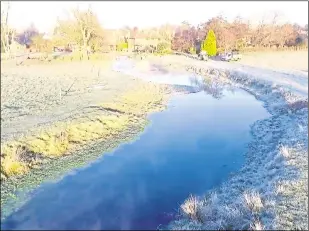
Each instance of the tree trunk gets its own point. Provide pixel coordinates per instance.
(85, 51)
(6, 44)
(86, 38)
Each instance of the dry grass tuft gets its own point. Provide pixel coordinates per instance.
(17, 159)
(52, 143)
(257, 225)
(13, 160)
(284, 151)
(190, 208)
(103, 127)
(253, 201)
(11, 166)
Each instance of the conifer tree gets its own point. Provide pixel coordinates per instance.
(210, 44)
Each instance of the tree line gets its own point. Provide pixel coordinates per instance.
(240, 35)
(84, 31)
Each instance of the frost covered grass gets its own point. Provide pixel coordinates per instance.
(294, 60)
(253, 202)
(284, 151)
(211, 214)
(271, 189)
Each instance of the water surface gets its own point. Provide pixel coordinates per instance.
(155, 73)
(190, 148)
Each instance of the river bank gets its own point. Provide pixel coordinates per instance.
(271, 189)
(53, 136)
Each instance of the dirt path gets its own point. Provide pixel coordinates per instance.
(293, 80)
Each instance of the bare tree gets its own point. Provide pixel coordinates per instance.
(7, 33)
(88, 25)
(81, 29)
(240, 31)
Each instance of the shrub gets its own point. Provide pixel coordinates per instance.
(12, 160)
(163, 47)
(122, 46)
(192, 50)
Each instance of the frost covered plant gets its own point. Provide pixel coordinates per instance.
(190, 207)
(284, 151)
(213, 213)
(257, 225)
(280, 189)
(253, 201)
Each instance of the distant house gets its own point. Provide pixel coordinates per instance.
(69, 47)
(303, 32)
(114, 38)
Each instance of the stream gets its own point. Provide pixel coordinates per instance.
(190, 148)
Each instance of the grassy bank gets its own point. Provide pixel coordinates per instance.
(31, 160)
(270, 192)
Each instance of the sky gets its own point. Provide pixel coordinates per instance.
(117, 14)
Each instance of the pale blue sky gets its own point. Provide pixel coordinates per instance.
(142, 14)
